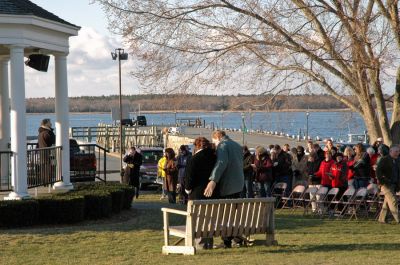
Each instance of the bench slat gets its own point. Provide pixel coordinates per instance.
(207, 218)
(199, 220)
(254, 218)
(231, 219)
(212, 224)
(238, 217)
(249, 219)
(225, 219)
(243, 218)
(260, 228)
(219, 220)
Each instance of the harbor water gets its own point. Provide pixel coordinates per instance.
(324, 124)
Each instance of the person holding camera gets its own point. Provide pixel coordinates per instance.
(133, 161)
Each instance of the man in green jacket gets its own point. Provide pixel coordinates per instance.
(388, 175)
(227, 172)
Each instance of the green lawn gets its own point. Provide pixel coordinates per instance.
(136, 237)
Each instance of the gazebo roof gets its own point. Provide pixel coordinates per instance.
(26, 7)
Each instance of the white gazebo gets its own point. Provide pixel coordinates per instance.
(27, 29)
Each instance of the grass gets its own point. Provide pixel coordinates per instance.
(136, 237)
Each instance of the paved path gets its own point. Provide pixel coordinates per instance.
(251, 140)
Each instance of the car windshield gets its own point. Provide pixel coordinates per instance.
(151, 156)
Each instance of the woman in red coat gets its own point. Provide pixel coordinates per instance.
(324, 170)
(339, 174)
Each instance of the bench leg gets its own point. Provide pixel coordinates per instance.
(186, 250)
(270, 231)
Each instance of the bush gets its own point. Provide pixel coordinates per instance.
(98, 203)
(117, 198)
(110, 187)
(61, 209)
(18, 213)
(129, 192)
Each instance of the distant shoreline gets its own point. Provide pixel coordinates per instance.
(208, 111)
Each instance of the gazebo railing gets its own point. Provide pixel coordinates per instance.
(5, 170)
(44, 166)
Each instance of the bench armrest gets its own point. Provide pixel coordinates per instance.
(169, 210)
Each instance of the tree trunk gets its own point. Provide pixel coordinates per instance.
(395, 123)
(381, 107)
(371, 123)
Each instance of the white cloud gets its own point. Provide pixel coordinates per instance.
(91, 71)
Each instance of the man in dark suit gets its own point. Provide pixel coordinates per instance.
(388, 175)
(133, 162)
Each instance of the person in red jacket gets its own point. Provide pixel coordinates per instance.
(324, 171)
(339, 174)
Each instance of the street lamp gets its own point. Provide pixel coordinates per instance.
(307, 115)
(120, 55)
(243, 127)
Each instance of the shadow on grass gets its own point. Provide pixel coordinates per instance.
(327, 247)
(145, 215)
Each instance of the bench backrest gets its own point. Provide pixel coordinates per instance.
(231, 217)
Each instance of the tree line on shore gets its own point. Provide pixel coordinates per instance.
(185, 102)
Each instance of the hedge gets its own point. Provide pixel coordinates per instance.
(61, 209)
(18, 213)
(98, 203)
(87, 201)
(109, 187)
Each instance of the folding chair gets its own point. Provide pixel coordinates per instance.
(345, 200)
(308, 197)
(319, 200)
(330, 201)
(278, 191)
(357, 202)
(295, 197)
(371, 200)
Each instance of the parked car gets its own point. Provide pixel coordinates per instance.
(83, 165)
(127, 122)
(148, 170)
(141, 121)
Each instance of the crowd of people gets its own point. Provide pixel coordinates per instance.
(224, 169)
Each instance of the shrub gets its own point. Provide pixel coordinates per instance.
(109, 187)
(18, 213)
(98, 203)
(117, 199)
(61, 209)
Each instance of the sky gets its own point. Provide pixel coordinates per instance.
(91, 70)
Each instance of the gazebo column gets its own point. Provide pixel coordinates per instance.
(18, 125)
(62, 119)
(4, 121)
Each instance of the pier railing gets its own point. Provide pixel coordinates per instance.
(44, 166)
(5, 170)
(108, 136)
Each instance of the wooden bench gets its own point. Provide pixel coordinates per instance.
(212, 218)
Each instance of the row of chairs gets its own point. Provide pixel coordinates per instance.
(365, 202)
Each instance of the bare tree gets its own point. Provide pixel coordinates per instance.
(343, 48)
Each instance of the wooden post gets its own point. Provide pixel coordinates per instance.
(270, 229)
(166, 229)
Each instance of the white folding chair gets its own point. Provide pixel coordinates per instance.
(295, 197)
(308, 196)
(319, 200)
